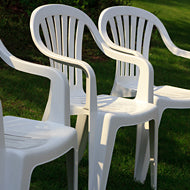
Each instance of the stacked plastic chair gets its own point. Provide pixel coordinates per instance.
(27, 143)
(57, 31)
(129, 29)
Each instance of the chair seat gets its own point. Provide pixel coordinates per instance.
(21, 133)
(170, 96)
(174, 96)
(118, 106)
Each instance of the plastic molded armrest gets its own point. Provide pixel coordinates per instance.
(59, 111)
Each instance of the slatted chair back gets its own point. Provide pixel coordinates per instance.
(62, 33)
(128, 27)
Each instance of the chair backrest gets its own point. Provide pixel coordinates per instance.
(128, 27)
(58, 29)
(61, 28)
(2, 140)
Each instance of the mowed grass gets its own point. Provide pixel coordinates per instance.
(26, 95)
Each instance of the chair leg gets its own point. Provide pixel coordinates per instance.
(75, 169)
(82, 133)
(72, 169)
(153, 152)
(142, 153)
(104, 151)
(17, 174)
(147, 152)
(2, 168)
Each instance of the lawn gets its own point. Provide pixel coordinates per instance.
(25, 95)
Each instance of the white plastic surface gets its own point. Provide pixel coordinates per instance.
(26, 143)
(131, 30)
(62, 27)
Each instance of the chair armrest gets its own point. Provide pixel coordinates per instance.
(123, 49)
(168, 42)
(91, 90)
(146, 76)
(60, 105)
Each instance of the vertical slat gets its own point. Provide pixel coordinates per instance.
(52, 35)
(127, 67)
(126, 30)
(78, 40)
(126, 25)
(114, 31)
(47, 39)
(137, 71)
(140, 31)
(133, 40)
(116, 41)
(121, 41)
(46, 34)
(147, 37)
(131, 69)
(118, 69)
(71, 40)
(58, 33)
(120, 30)
(140, 34)
(58, 38)
(78, 51)
(122, 68)
(64, 25)
(133, 31)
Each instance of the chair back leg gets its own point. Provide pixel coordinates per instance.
(72, 169)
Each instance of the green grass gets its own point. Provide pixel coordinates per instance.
(25, 95)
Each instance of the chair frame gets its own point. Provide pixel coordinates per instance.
(17, 163)
(131, 30)
(49, 15)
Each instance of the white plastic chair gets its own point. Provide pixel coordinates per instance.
(27, 143)
(62, 28)
(129, 29)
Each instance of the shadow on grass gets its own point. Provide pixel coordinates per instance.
(23, 94)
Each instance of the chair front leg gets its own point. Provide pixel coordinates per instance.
(72, 169)
(17, 172)
(103, 151)
(142, 157)
(82, 134)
